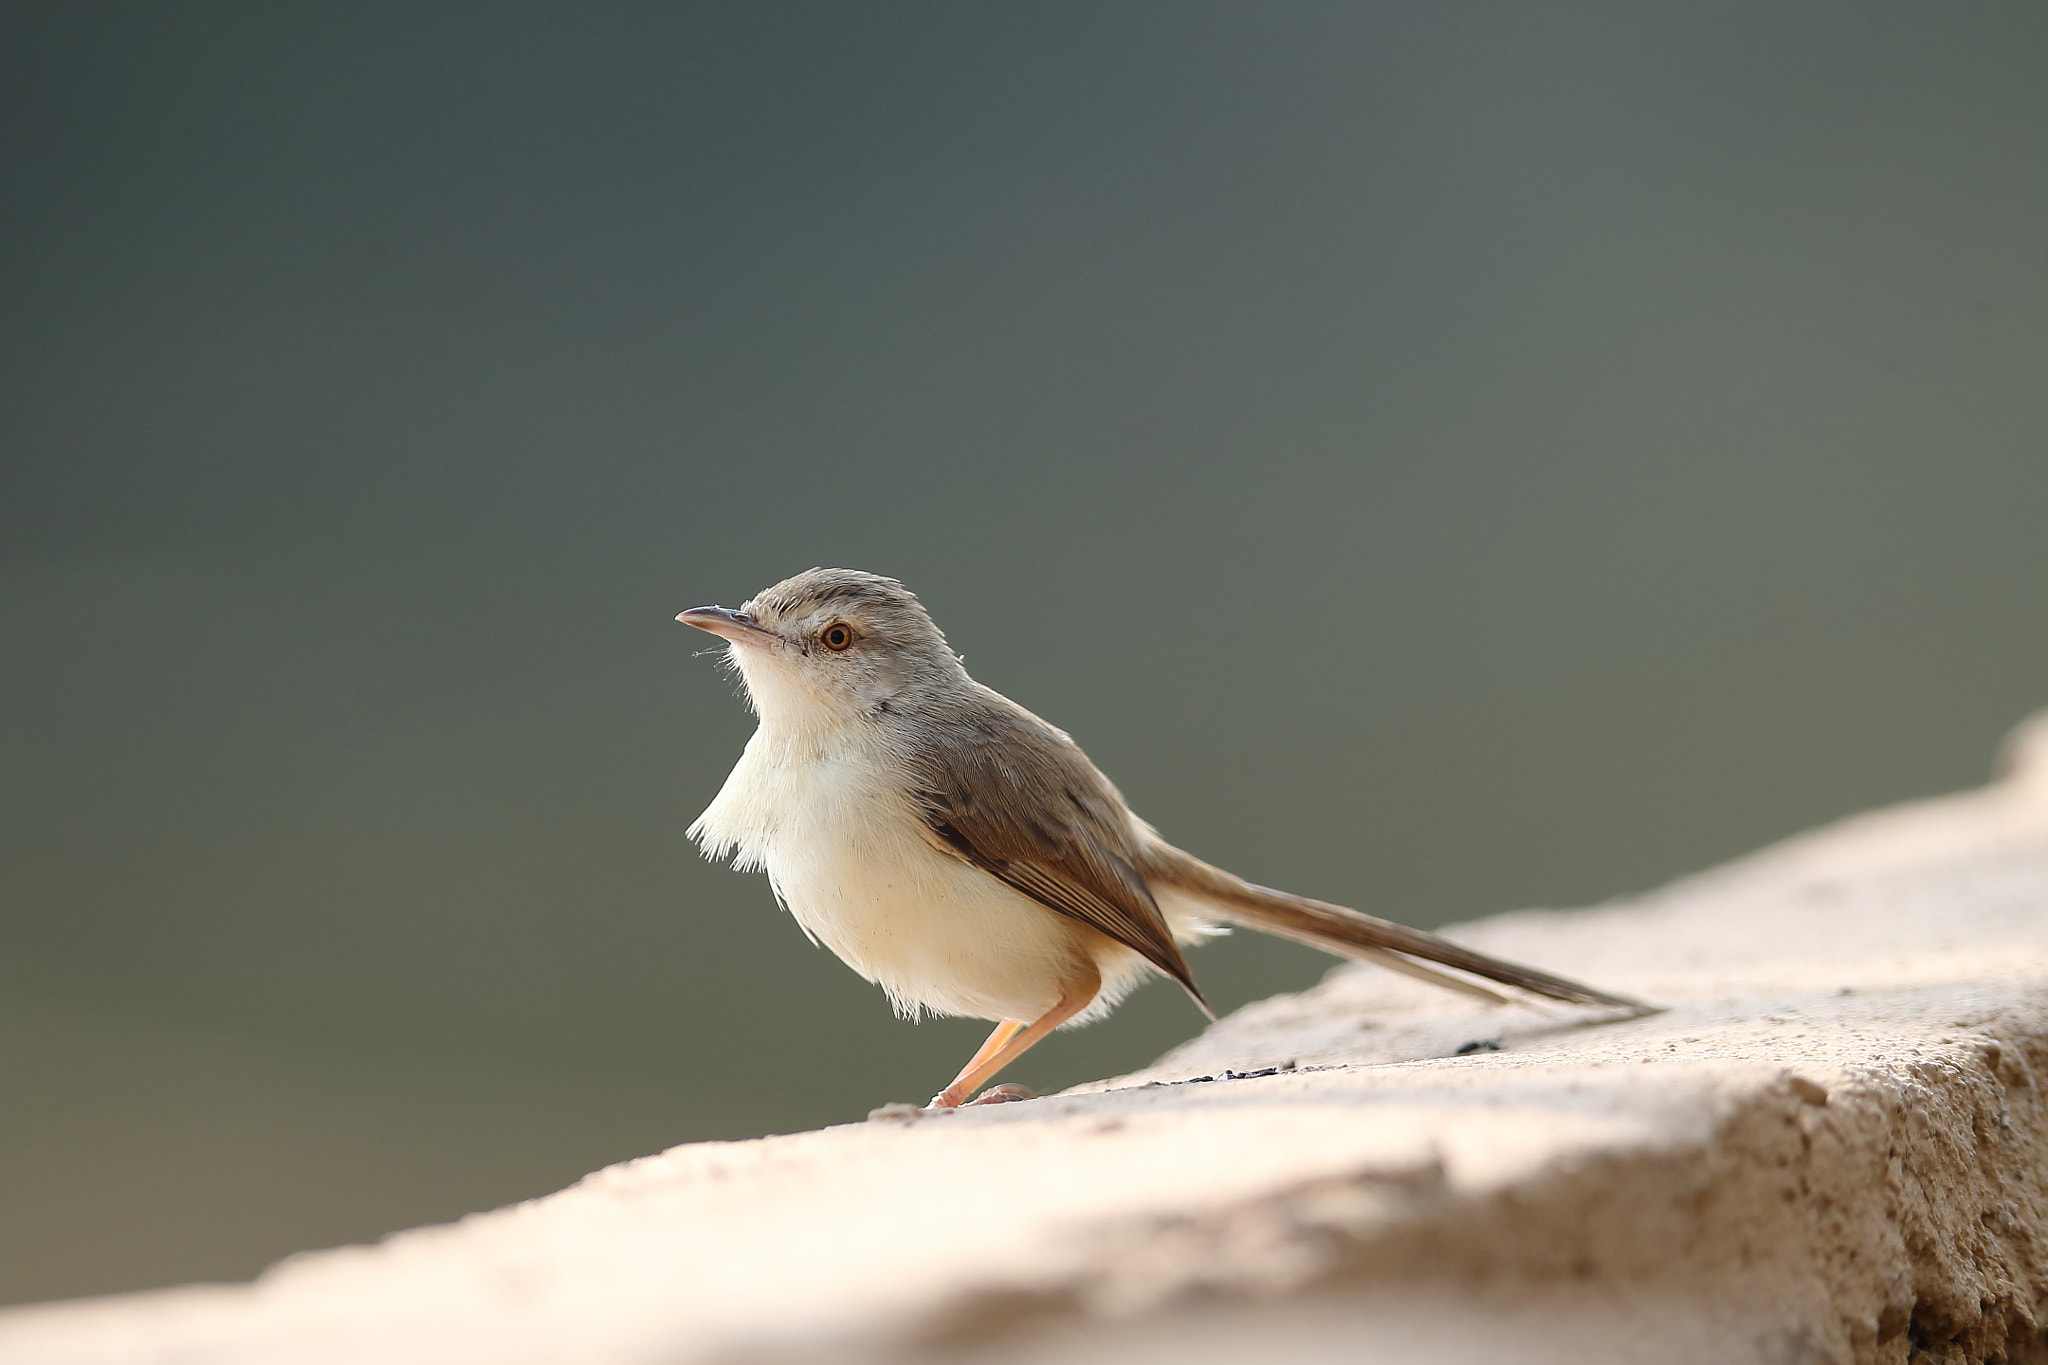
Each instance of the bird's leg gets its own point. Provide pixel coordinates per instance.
(997, 1040)
(1008, 1043)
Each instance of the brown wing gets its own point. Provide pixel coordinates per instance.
(1019, 800)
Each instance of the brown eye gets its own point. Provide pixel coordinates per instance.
(836, 636)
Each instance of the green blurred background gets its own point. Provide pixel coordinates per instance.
(1437, 458)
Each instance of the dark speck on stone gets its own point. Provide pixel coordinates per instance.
(1479, 1045)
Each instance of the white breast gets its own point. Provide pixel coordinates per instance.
(845, 850)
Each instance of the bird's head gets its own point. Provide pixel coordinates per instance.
(831, 645)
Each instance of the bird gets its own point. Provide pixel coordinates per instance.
(965, 855)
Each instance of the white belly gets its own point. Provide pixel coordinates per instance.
(850, 860)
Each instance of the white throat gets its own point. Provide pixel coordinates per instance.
(784, 699)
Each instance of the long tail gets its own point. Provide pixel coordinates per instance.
(1335, 929)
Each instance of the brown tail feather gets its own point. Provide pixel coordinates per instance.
(1335, 929)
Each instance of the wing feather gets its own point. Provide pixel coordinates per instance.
(1016, 798)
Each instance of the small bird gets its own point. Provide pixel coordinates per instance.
(965, 855)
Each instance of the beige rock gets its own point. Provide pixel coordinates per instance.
(1831, 1147)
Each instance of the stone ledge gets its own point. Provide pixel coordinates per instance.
(1831, 1147)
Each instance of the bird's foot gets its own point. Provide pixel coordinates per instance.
(1003, 1094)
(995, 1094)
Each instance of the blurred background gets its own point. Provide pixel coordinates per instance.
(1440, 459)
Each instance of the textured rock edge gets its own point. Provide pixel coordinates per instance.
(1893, 1213)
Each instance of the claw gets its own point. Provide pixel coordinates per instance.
(1003, 1094)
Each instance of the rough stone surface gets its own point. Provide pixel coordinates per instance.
(1831, 1147)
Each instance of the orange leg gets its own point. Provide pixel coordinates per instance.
(1009, 1042)
(1004, 1032)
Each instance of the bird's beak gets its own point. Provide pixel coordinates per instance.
(735, 626)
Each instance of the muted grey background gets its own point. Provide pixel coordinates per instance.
(1436, 458)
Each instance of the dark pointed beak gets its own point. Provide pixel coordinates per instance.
(735, 626)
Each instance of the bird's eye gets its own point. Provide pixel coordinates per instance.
(836, 636)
